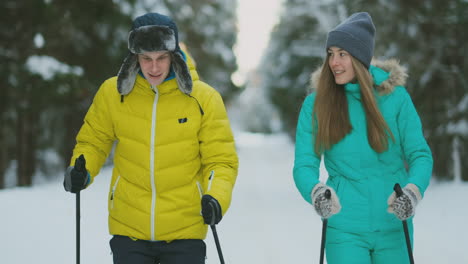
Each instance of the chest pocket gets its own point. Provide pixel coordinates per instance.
(180, 126)
(178, 121)
(177, 142)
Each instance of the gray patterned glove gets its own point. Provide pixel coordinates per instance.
(325, 207)
(404, 206)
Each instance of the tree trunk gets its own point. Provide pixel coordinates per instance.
(26, 148)
(4, 146)
(3, 158)
(463, 150)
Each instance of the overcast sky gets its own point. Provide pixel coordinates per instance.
(255, 20)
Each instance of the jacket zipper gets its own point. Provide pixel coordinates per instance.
(210, 179)
(200, 189)
(152, 159)
(113, 191)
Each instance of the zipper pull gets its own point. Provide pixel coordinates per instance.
(210, 180)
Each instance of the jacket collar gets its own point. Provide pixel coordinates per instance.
(379, 76)
(386, 74)
(166, 87)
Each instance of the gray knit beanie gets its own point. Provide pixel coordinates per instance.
(356, 36)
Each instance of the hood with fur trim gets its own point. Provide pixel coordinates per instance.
(397, 76)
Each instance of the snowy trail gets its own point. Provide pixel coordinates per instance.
(268, 221)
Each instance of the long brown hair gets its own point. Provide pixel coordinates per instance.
(330, 117)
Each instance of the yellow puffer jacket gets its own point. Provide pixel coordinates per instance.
(171, 148)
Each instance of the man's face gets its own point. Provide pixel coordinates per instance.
(155, 66)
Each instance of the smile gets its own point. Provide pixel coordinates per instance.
(154, 75)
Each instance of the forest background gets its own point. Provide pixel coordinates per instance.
(55, 55)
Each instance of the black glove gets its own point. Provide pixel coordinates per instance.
(211, 210)
(76, 177)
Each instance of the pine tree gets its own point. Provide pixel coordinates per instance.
(430, 39)
(19, 108)
(428, 36)
(96, 42)
(88, 40)
(296, 49)
(208, 29)
(45, 107)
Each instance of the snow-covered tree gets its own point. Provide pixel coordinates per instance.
(296, 49)
(55, 55)
(208, 28)
(429, 37)
(253, 110)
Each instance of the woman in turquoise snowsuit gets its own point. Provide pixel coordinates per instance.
(362, 121)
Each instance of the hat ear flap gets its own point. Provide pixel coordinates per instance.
(182, 72)
(127, 74)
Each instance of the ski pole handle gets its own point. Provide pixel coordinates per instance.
(398, 190)
(80, 163)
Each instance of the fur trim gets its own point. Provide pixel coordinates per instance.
(151, 38)
(182, 72)
(314, 79)
(398, 75)
(127, 74)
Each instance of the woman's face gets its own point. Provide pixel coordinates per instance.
(341, 66)
(155, 66)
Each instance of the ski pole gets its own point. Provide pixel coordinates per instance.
(324, 230)
(80, 164)
(218, 246)
(399, 192)
(78, 227)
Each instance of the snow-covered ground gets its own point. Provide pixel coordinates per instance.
(268, 221)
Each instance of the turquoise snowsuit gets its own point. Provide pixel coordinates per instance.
(363, 231)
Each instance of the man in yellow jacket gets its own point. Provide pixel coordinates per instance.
(175, 162)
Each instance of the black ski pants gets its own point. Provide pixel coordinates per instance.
(186, 251)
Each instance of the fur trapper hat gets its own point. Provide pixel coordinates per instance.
(153, 32)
